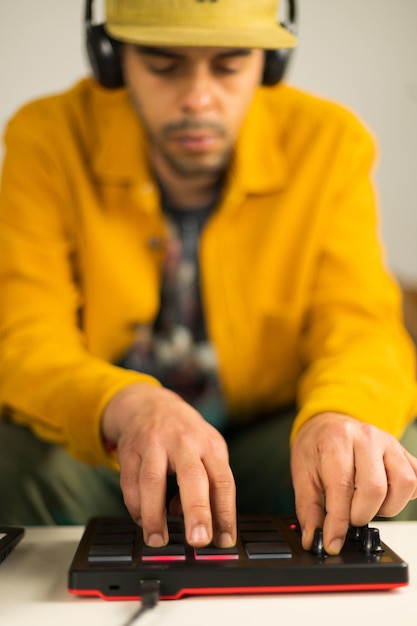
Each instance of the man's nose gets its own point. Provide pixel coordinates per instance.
(198, 91)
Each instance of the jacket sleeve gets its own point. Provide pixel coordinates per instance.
(358, 359)
(48, 378)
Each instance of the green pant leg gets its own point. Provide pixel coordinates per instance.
(260, 461)
(40, 484)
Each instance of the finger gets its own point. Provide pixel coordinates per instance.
(222, 499)
(193, 484)
(338, 476)
(129, 482)
(309, 500)
(152, 487)
(413, 463)
(371, 485)
(401, 473)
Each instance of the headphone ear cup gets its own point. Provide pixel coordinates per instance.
(104, 57)
(276, 62)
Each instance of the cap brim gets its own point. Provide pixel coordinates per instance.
(267, 39)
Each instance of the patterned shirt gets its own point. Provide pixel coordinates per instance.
(176, 349)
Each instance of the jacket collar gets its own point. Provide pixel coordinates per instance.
(118, 156)
(259, 165)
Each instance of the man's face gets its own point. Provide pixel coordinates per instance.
(191, 102)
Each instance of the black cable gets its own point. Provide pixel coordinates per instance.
(149, 592)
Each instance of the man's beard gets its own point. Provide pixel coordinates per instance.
(191, 165)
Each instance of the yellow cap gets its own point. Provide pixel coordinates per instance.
(219, 23)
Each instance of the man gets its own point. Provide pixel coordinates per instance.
(182, 263)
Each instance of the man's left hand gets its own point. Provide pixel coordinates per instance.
(345, 472)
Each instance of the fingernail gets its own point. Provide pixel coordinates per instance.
(225, 540)
(335, 546)
(199, 534)
(155, 540)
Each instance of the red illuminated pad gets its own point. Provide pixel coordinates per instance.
(213, 553)
(112, 560)
(171, 552)
(174, 551)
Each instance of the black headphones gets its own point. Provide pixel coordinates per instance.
(104, 52)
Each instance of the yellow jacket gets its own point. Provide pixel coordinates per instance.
(298, 304)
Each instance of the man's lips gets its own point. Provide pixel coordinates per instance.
(196, 142)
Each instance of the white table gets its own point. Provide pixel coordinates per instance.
(33, 590)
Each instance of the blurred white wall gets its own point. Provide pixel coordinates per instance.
(360, 53)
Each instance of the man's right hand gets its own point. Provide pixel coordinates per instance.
(157, 433)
